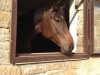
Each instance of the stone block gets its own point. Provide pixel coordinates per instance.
(4, 38)
(56, 72)
(97, 44)
(73, 65)
(10, 70)
(5, 19)
(83, 67)
(97, 50)
(41, 74)
(33, 69)
(79, 50)
(97, 30)
(80, 16)
(71, 72)
(4, 31)
(54, 66)
(4, 35)
(5, 45)
(77, 2)
(96, 40)
(80, 41)
(4, 57)
(96, 16)
(66, 65)
(57, 66)
(94, 66)
(81, 7)
(80, 23)
(80, 30)
(96, 22)
(5, 5)
(81, 13)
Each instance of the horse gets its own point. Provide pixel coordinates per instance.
(51, 23)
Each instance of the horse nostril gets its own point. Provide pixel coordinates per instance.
(71, 47)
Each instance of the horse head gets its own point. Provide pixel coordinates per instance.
(52, 25)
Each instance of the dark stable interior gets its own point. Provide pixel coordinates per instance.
(26, 29)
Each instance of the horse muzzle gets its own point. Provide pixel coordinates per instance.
(67, 50)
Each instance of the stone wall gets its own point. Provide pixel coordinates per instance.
(75, 67)
(79, 67)
(5, 24)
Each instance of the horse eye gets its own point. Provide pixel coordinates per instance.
(62, 17)
(57, 19)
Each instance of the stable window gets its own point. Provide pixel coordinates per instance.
(27, 46)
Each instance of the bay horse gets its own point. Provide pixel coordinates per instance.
(51, 23)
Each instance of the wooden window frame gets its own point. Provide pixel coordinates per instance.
(92, 26)
(51, 57)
